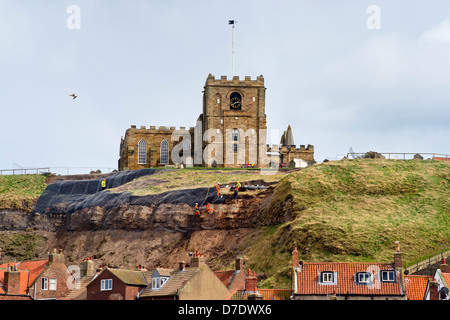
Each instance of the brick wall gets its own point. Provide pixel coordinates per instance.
(119, 289)
(56, 271)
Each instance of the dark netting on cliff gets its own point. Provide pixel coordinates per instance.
(63, 197)
(202, 196)
(71, 195)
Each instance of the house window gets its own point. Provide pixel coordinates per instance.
(142, 152)
(155, 283)
(363, 277)
(106, 284)
(387, 275)
(164, 152)
(327, 277)
(158, 282)
(44, 283)
(52, 284)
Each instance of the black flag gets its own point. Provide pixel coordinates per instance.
(230, 21)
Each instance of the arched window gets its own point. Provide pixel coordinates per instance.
(235, 139)
(142, 152)
(164, 152)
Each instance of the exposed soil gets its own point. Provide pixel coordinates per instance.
(154, 230)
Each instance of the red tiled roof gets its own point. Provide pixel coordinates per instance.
(29, 272)
(416, 286)
(275, 294)
(308, 279)
(225, 276)
(446, 277)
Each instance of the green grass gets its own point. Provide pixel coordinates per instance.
(19, 192)
(355, 210)
(176, 179)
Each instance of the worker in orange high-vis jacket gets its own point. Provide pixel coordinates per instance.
(209, 209)
(218, 189)
(197, 213)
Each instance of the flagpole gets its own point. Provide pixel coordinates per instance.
(232, 22)
(232, 55)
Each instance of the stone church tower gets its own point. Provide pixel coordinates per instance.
(231, 132)
(234, 121)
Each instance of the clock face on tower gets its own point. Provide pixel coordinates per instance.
(235, 101)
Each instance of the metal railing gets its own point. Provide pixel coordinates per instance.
(401, 155)
(56, 170)
(428, 262)
(25, 171)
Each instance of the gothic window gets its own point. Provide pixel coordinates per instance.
(164, 152)
(235, 139)
(142, 152)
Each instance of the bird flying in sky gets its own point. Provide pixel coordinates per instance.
(73, 95)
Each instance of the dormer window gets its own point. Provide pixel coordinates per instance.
(158, 282)
(363, 277)
(387, 276)
(327, 277)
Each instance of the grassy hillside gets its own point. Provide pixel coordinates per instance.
(20, 191)
(350, 210)
(354, 210)
(175, 179)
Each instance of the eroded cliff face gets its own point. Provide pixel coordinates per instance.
(154, 234)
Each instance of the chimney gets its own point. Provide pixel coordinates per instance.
(444, 266)
(295, 258)
(251, 282)
(251, 286)
(99, 270)
(12, 280)
(197, 261)
(181, 266)
(398, 256)
(434, 293)
(239, 264)
(56, 257)
(141, 268)
(87, 267)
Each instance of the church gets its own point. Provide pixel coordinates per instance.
(230, 132)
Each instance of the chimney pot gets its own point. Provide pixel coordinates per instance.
(251, 282)
(444, 266)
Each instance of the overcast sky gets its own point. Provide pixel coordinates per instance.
(371, 75)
